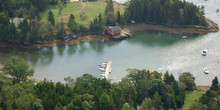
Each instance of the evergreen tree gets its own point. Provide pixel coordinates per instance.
(109, 7)
(73, 27)
(215, 85)
(61, 32)
(119, 17)
(23, 26)
(51, 17)
(156, 101)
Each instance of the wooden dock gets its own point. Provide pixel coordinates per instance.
(108, 69)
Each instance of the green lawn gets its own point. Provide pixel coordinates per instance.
(92, 9)
(190, 98)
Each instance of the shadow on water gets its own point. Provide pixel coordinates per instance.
(159, 38)
(72, 49)
(60, 49)
(42, 56)
(96, 46)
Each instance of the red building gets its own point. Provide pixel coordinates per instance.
(116, 30)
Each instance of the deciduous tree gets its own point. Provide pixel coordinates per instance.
(18, 68)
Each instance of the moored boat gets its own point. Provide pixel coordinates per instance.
(204, 52)
(206, 71)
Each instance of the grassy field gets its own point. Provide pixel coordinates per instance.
(91, 9)
(190, 98)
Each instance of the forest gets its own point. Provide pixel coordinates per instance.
(34, 30)
(139, 89)
(166, 12)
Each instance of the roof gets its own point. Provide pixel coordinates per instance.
(115, 28)
(16, 21)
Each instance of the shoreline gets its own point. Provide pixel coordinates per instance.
(194, 29)
(127, 31)
(38, 80)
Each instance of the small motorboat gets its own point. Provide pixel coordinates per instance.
(204, 52)
(206, 71)
(102, 69)
(103, 65)
(184, 37)
(102, 74)
(217, 10)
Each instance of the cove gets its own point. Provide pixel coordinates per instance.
(152, 50)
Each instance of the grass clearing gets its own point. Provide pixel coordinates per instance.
(91, 9)
(191, 96)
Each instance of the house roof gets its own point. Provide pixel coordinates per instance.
(115, 28)
(16, 21)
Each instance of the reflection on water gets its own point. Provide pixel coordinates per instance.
(152, 50)
(63, 60)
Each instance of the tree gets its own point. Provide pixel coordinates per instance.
(197, 106)
(37, 105)
(188, 79)
(45, 30)
(73, 27)
(61, 30)
(23, 26)
(126, 106)
(156, 101)
(119, 17)
(147, 104)
(105, 102)
(76, 104)
(51, 17)
(215, 85)
(109, 7)
(18, 68)
(110, 18)
(7, 29)
(34, 36)
(60, 6)
(128, 91)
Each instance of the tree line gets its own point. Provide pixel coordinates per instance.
(32, 30)
(139, 89)
(166, 12)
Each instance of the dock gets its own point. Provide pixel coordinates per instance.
(123, 35)
(108, 69)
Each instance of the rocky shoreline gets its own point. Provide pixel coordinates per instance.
(190, 29)
(127, 31)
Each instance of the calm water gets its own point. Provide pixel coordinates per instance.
(147, 50)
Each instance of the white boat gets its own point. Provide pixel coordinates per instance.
(102, 69)
(204, 52)
(103, 65)
(102, 74)
(184, 37)
(206, 71)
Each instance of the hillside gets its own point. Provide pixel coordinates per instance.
(91, 9)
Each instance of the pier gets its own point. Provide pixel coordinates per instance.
(108, 69)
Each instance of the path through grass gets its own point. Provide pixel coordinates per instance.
(91, 9)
